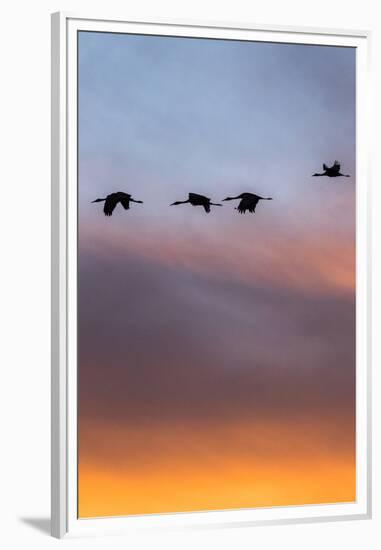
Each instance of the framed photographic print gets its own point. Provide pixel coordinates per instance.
(211, 274)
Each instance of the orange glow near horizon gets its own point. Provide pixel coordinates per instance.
(186, 488)
(268, 464)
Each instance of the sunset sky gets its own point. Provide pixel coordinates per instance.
(216, 351)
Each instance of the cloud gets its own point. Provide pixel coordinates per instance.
(160, 341)
(278, 253)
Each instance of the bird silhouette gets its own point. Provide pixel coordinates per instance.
(332, 171)
(197, 200)
(248, 201)
(113, 199)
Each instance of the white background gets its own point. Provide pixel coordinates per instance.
(25, 270)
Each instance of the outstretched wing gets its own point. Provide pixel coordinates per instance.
(325, 167)
(111, 202)
(197, 198)
(248, 204)
(125, 203)
(336, 166)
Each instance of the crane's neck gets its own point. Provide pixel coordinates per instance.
(179, 202)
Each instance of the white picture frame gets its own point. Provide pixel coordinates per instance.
(64, 257)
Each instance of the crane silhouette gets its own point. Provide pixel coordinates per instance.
(248, 201)
(197, 200)
(113, 199)
(332, 171)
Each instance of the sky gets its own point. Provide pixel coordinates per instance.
(216, 352)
